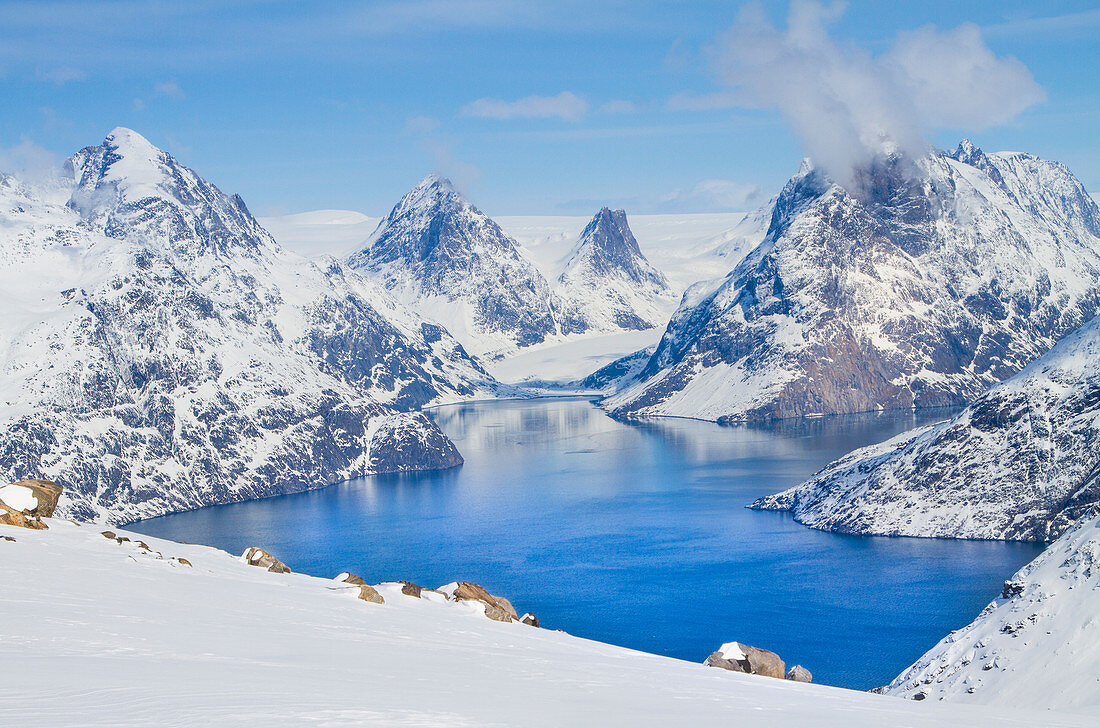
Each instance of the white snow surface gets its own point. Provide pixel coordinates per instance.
(321, 232)
(1036, 646)
(18, 497)
(97, 633)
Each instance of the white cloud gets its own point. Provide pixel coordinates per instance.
(422, 124)
(63, 75)
(171, 89)
(619, 106)
(848, 105)
(565, 105)
(29, 162)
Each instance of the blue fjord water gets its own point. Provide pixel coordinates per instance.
(638, 536)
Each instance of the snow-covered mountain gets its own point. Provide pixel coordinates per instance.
(98, 632)
(1021, 462)
(450, 262)
(608, 285)
(159, 351)
(929, 281)
(1036, 646)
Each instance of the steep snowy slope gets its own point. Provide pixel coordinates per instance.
(448, 261)
(922, 286)
(608, 284)
(101, 633)
(159, 351)
(1036, 646)
(1021, 462)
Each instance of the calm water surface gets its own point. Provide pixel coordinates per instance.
(638, 536)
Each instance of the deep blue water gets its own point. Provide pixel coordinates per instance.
(638, 536)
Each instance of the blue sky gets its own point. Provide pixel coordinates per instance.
(533, 108)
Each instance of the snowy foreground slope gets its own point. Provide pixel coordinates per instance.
(1038, 644)
(1021, 462)
(928, 281)
(97, 633)
(159, 351)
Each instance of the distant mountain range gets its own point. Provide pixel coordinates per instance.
(454, 265)
(928, 282)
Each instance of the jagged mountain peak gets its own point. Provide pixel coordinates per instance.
(131, 189)
(932, 281)
(607, 248)
(435, 250)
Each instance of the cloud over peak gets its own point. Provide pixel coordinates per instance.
(848, 105)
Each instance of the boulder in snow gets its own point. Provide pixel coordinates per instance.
(799, 674)
(369, 594)
(746, 658)
(256, 556)
(26, 502)
(530, 619)
(496, 608)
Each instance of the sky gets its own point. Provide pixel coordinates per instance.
(546, 108)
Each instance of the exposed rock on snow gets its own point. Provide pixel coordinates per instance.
(160, 352)
(923, 286)
(745, 658)
(451, 263)
(369, 594)
(496, 608)
(1022, 462)
(1036, 646)
(608, 285)
(26, 502)
(256, 556)
(799, 674)
(153, 626)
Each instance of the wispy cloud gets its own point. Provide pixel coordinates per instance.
(705, 102)
(171, 89)
(619, 106)
(1085, 21)
(714, 195)
(63, 75)
(29, 162)
(566, 105)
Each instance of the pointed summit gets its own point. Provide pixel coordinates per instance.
(968, 153)
(607, 282)
(435, 250)
(133, 190)
(608, 248)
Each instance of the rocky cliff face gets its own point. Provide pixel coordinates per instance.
(922, 286)
(451, 263)
(1036, 646)
(1022, 462)
(607, 284)
(161, 352)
